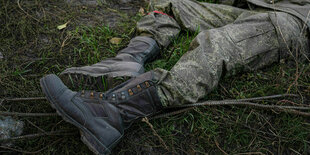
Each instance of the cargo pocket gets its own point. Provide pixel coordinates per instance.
(256, 40)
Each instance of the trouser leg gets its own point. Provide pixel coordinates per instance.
(187, 15)
(245, 45)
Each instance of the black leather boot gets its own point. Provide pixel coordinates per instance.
(102, 118)
(128, 62)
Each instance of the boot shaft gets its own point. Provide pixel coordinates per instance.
(140, 49)
(136, 98)
(128, 62)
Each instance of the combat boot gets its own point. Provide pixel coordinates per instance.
(103, 117)
(128, 62)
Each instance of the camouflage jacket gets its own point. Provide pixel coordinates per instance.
(298, 8)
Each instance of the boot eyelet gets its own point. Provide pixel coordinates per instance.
(130, 92)
(91, 94)
(113, 97)
(139, 87)
(147, 84)
(82, 93)
(123, 97)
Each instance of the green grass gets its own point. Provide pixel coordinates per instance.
(33, 49)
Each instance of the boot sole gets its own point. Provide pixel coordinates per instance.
(86, 135)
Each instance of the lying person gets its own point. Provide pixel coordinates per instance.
(230, 40)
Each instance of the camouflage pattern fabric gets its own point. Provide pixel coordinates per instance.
(230, 39)
(186, 14)
(298, 8)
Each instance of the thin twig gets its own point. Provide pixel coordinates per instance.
(63, 44)
(26, 12)
(24, 99)
(231, 101)
(292, 103)
(302, 31)
(36, 126)
(146, 120)
(212, 103)
(296, 112)
(290, 52)
(5, 113)
(32, 152)
(265, 97)
(171, 113)
(288, 109)
(249, 153)
(51, 133)
(170, 54)
(295, 151)
(218, 146)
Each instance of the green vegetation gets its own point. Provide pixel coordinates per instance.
(33, 47)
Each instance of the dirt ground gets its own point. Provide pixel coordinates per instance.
(32, 46)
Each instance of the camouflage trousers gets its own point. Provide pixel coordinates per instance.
(230, 40)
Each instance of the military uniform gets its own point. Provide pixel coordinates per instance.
(230, 40)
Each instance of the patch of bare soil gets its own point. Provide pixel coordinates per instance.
(105, 11)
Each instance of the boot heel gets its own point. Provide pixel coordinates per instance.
(93, 145)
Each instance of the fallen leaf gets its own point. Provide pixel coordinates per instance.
(141, 11)
(60, 27)
(116, 40)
